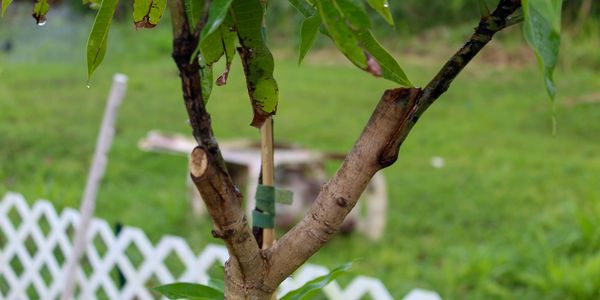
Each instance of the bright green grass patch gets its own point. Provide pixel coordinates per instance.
(513, 214)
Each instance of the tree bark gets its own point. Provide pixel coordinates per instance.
(251, 273)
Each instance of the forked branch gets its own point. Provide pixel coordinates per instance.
(377, 147)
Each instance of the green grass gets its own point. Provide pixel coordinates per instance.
(514, 214)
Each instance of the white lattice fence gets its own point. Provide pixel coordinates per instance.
(34, 243)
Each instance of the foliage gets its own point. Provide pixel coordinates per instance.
(194, 291)
(191, 291)
(310, 288)
(98, 40)
(542, 31)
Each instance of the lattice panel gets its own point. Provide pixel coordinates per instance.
(35, 242)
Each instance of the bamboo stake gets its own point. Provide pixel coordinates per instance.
(266, 149)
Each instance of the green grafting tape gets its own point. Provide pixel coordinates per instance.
(265, 198)
(262, 220)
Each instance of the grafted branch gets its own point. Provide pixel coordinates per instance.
(377, 147)
(252, 273)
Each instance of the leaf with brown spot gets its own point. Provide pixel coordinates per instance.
(147, 13)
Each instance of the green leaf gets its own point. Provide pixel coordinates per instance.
(40, 9)
(257, 59)
(313, 286)
(542, 32)
(191, 291)
(354, 13)
(5, 4)
(340, 33)
(147, 13)
(383, 8)
(212, 47)
(206, 80)
(217, 13)
(193, 11)
(98, 39)
(390, 68)
(308, 34)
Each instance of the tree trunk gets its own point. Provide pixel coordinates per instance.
(252, 273)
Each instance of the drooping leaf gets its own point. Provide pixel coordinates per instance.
(256, 58)
(5, 4)
(542, 32)
(217, 13)
(40, 9)
(98, 39)
(340, 33)
(313, 286)
(390, 68)
(308, 34)
(147, 13)
(212, 47)
(193, 11)
(383, 8)
(191, 291)
(354, 13)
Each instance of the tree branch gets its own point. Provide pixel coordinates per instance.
(377, 147)
(246, 267)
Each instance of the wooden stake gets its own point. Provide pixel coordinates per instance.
(266, 144)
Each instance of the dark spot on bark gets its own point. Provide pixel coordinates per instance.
(222, 234)
(243, 237)
(341, 201)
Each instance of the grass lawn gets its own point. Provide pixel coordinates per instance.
(514, 214)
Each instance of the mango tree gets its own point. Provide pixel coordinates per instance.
(204, 31)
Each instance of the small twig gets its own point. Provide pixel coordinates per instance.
(488, 26)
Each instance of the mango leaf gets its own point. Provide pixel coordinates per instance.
(354, 13)
(191, 291)
(147, 13)
(217, 12)
(308, 34)
(340, 33)
(310, 288)
(194, 10)
(390, 69)
(40, 9)
(98, 39)
(542, 32)
(206, 80)
(256, 58)
(5, 4)
(383, 8)
(212, 47)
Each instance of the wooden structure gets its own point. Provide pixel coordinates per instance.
(297, 169)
